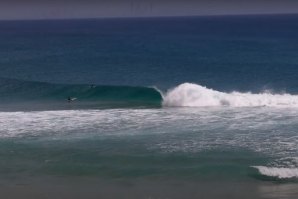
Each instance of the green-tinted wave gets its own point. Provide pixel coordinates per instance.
(16, 91)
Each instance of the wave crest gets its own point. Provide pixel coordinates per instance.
(193, 95)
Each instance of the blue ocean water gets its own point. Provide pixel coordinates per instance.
(224, 53)
(186, 107)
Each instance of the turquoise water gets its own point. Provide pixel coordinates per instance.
(200, 107)
(246, 148)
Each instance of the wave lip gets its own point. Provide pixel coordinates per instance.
(194, 95)
(281, 173)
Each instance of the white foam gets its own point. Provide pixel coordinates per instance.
(281, 173)
(193, 95)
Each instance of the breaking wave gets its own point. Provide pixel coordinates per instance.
(193, 95)
(184, 95)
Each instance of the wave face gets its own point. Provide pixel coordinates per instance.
(98, 96)
(280, 173)
(24, 91)
(193, 95)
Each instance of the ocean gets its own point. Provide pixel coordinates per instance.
(159, 108)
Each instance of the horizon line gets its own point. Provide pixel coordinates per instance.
(145, 17)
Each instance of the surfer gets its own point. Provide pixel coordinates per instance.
(70, 99)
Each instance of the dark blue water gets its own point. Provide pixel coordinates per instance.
(245, 53)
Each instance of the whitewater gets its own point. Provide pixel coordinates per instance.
(280, 173)
(269, 132)
(194, 95)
